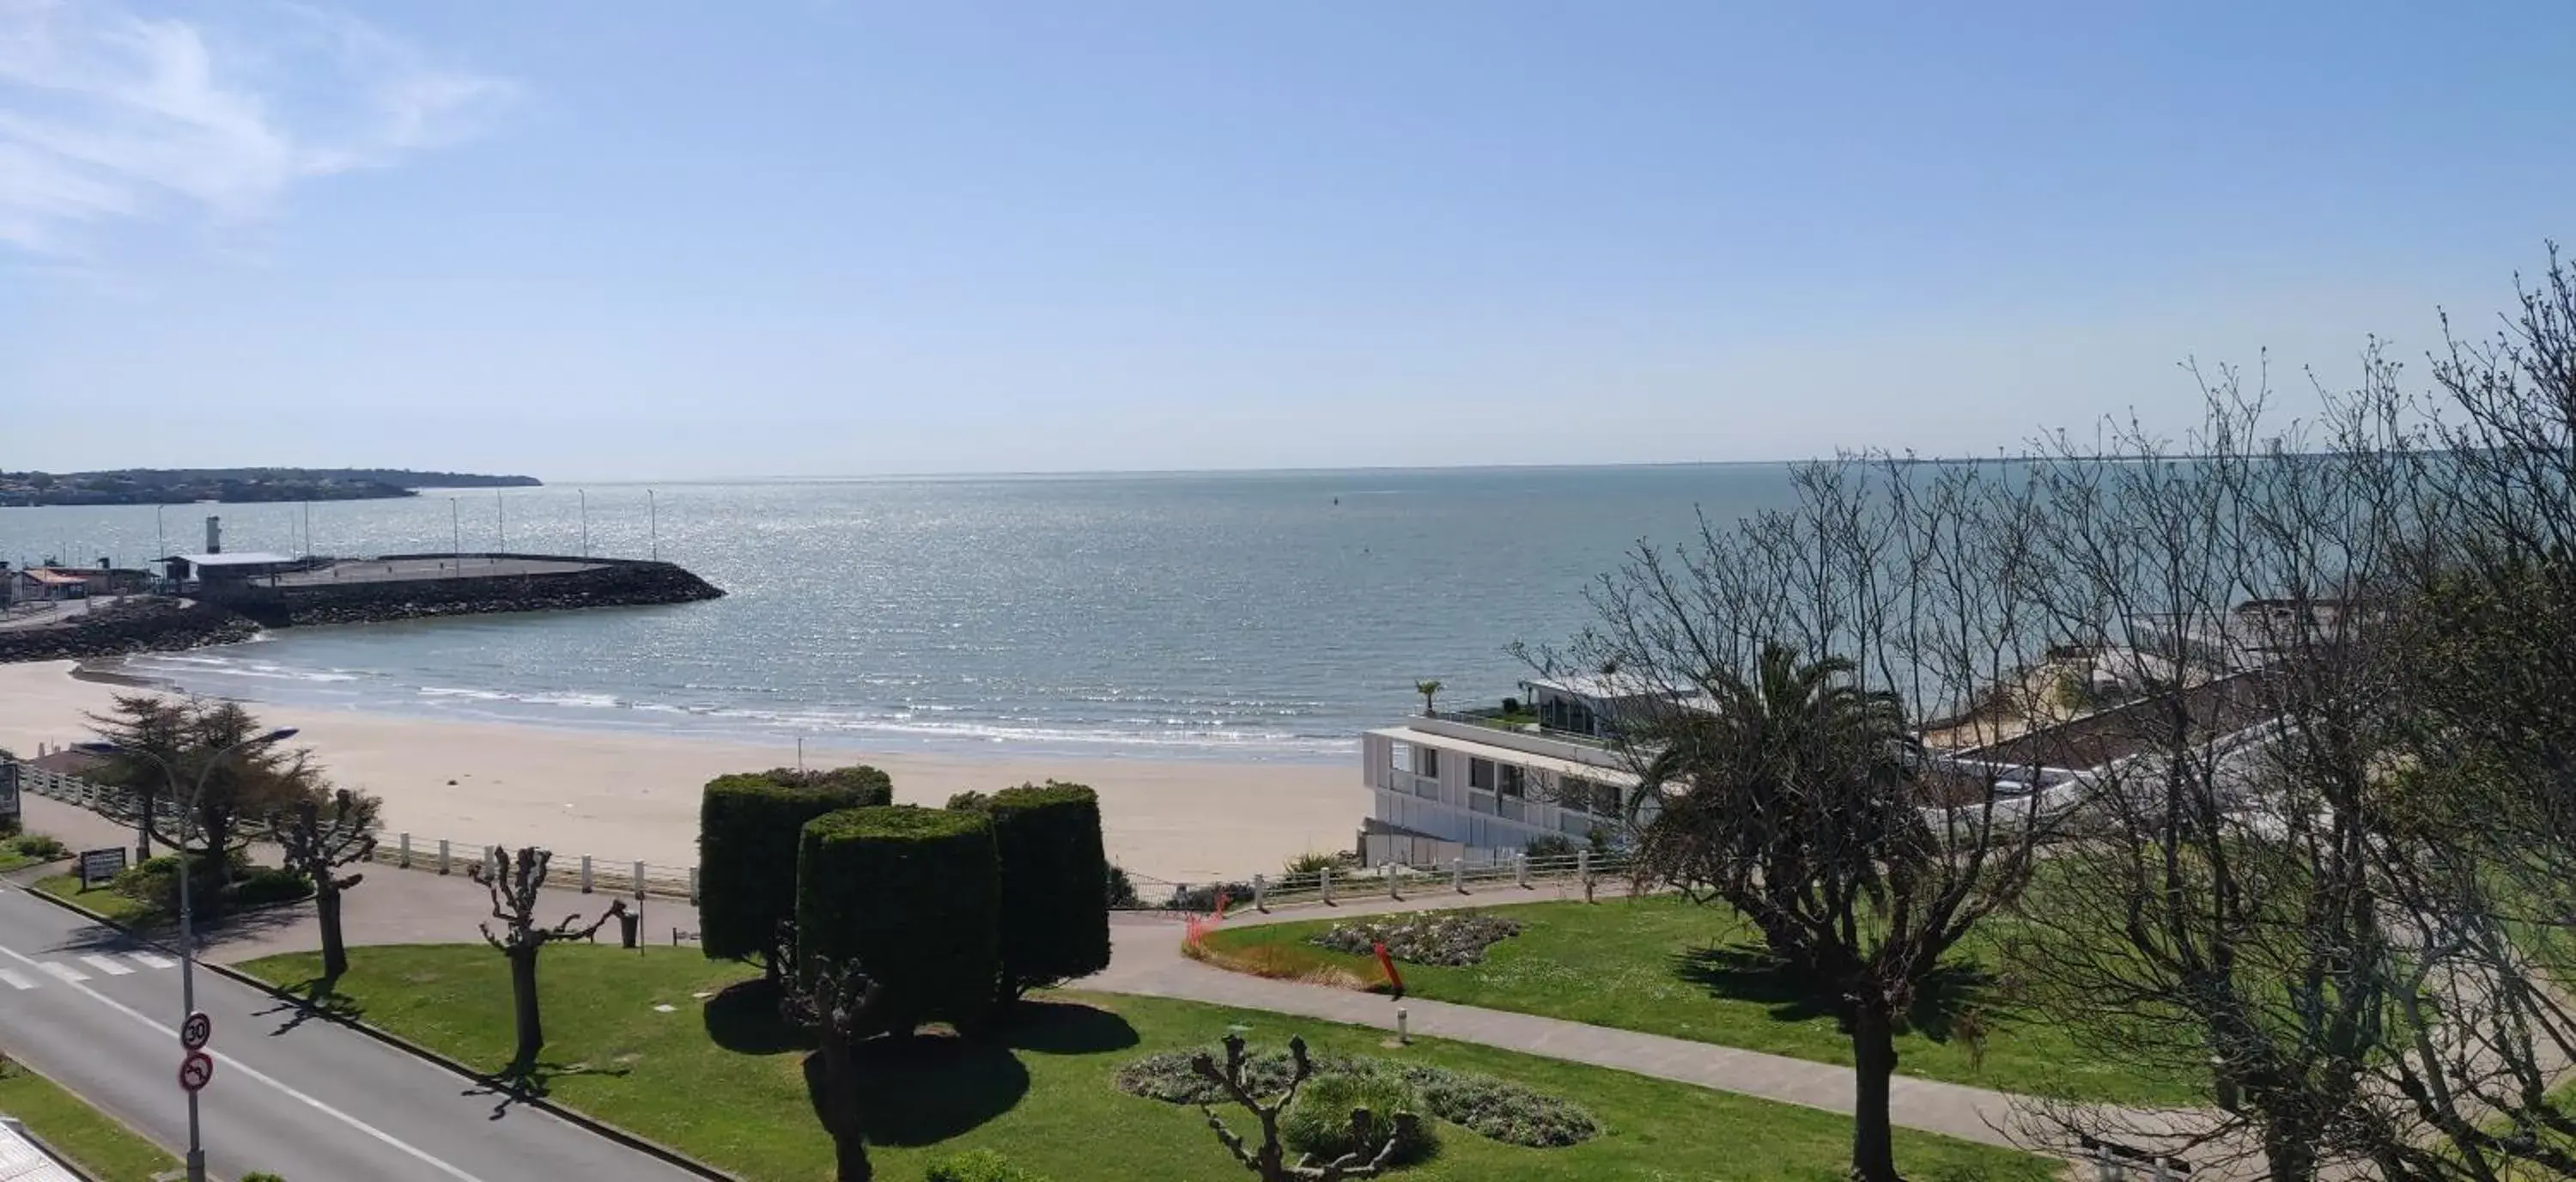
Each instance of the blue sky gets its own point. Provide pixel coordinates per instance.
(673, 240)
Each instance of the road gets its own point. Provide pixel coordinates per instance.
(313, 1102)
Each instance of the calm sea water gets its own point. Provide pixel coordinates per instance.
(1263, 615)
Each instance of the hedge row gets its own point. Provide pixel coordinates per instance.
(747, 848)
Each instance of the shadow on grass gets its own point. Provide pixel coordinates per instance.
(316, 997)
(1065, 1028)
(1957, 994)
(535, 1082)
(743, 1018)
(926, 1088)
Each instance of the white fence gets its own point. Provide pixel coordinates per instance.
(1322, 886)
(407, 851)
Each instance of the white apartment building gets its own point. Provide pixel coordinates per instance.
(1485, 783)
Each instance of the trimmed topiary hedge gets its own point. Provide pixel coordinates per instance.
(914, 896)
(1055, 874)
(748, 827)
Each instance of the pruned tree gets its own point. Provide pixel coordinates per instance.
(837, 1002)
(515, 880)
(1765, 672)
(1269, 1159)
(317, 844)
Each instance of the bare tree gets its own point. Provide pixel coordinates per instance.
(1765, 671)
(515, 880)
(1269, 1160)
(837, 1002)
(317, 848)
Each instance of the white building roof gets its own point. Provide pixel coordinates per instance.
(1607, 687)
(21, 1161)
(245, 558)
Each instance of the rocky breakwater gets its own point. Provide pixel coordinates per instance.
(132, 626)
(600, 583)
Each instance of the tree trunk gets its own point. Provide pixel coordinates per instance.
(326, 910)
(2290, 1154)
(841, 1110)
(143, 831)
(523, 992)
(1874, 1062)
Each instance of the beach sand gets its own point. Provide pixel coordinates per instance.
(626, 797)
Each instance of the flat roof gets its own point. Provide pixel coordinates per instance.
(245, 558)
(44, 574)
(1608, 686)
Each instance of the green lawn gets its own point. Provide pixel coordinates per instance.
(105, 1149)
(721, 1081)
(11, 859)
(1664, 965)
(115, 906)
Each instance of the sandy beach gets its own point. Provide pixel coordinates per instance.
(625, 797)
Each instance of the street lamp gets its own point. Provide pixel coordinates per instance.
(187, 906)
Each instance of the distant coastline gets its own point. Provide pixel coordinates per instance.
(234, 486)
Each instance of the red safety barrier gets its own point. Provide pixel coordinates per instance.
(1393, 978)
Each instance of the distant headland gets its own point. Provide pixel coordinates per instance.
(183, 486)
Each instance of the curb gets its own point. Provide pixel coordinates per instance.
(574, 1117)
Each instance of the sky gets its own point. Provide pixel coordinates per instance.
(659, 239)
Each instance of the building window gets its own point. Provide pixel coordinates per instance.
(1400, 756)
(1426, 761)
(1507, 780)
(1480, 774)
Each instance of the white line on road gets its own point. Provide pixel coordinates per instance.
(15, 980)
(66, 972)
(249, 1071)
(104, 965)
(152, 960)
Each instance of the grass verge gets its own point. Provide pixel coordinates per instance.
(119, 907)
(102, 1147)
(717, 1077)
(1664, 965)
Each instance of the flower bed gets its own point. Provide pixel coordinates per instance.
(1450, 938)
(1497, 1109)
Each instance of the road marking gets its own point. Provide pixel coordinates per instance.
(104, 965)
(248, 1071)
(69, 974)
(15, 979)
(152, 960)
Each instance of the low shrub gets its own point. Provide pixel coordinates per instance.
(269, 884)
(1451, 938)
(1320, 1122)
(1312, 862)
(1496, 1109)
(1551, 846)
(41, 847)
(1499, 1109)
(1201, 900)
(981, 1165)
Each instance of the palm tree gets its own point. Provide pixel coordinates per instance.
(1786, 797)
(1428, 690)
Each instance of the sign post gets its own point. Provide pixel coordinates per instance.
(98, 866)
(9, 814)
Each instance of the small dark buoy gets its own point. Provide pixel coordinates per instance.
(1337, 500)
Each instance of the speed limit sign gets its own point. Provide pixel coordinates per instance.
(195, 1070)
(194, 1032)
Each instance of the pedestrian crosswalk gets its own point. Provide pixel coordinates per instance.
(116, 964)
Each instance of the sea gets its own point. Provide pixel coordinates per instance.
(1236, 616)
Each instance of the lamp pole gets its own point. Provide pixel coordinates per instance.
(456, 528)
(187, 901)
(653, 522)
(500, 525)
(584, 494)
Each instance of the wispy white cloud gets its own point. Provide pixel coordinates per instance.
(108, 116)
